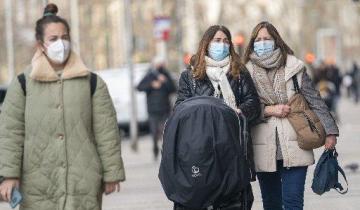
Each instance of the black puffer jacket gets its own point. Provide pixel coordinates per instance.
(158, 101)
(244, 90)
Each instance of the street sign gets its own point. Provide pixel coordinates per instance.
(162, 26)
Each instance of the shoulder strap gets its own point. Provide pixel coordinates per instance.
(93, 83)
(338, 186)
(296, 84)
(22, 81)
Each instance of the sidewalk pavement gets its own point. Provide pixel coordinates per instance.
(142, 189)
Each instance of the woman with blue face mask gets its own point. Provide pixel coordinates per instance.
(216, 70)
(281, 165)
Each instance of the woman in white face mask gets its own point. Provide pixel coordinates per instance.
(59, 140)
(281, 165)
(54, 40)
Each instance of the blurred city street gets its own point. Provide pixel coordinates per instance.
(127, 42)
(142, 189)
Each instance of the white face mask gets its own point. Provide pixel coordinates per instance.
(58, 51)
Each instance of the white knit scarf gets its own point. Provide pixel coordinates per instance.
(216, 71)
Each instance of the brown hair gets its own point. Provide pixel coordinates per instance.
(279, 42)
(198, 62)
(49, 16)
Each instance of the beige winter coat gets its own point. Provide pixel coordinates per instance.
(263, 134)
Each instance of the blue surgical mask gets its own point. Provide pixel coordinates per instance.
(218, 50)
(264, 47)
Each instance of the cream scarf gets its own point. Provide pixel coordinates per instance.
(216, 72)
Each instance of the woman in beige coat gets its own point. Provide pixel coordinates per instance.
(280, 163)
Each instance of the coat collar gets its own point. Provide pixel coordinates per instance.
(293, 66)
(42, 70)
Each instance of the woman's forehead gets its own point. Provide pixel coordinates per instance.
(55, 29)
(220, 34)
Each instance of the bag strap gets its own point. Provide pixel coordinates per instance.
(22, 81)
(296, 84)
(338, 187)
(93, 83)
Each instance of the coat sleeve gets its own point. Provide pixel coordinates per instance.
(184, 91)
(318, 105)
(145, 83)
(106, 134)
(12, 131)
(249, 99)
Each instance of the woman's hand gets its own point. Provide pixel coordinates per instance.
(330, 142)
(111, 187)
(280, 110)
(6, 188)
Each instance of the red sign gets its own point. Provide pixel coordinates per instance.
(162, 27)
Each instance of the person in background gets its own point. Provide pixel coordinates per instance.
(158, 86)
(59, 141)
(280, 163)
(355, 85)
(334, 76)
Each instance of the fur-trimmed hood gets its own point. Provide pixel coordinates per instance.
(42, 70)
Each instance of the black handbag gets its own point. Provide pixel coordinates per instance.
(326, 174)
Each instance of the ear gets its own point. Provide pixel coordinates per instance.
(40, 46)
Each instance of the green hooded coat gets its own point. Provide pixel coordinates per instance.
(61, 142)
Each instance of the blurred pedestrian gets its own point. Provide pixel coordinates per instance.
(216, 70)
(158, 86)
(280, 163)
(355, 85)
(347, 82)
(334, 76)
(327, 91)
(59, 141)
(324, 82)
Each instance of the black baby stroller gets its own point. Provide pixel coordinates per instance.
(204, 159)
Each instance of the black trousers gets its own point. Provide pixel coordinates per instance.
(156, 124)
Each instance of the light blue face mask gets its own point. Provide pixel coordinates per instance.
(264, 47)
(218, 50)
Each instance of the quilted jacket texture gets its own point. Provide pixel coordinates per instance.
(59, 140)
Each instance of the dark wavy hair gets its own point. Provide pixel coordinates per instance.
(49, 16)
(279, 42)
(198, 62)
